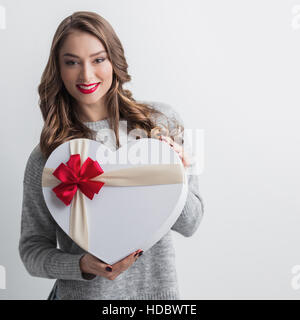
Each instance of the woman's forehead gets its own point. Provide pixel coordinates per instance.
(82, 44)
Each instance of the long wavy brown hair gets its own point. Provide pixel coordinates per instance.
(60, 110)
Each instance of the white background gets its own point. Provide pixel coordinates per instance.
(230, 68)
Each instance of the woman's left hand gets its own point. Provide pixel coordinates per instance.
(185, 158)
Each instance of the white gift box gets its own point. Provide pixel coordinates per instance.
(120, 219)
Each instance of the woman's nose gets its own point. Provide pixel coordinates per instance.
(86, 73)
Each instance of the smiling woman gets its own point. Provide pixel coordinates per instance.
(81, 93)
(83, 82)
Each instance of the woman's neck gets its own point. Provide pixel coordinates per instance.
(93, 113)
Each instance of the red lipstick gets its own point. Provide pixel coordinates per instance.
(90, 89)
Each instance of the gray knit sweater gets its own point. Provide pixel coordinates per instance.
(153, 276)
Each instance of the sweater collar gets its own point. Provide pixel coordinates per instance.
(97, 125)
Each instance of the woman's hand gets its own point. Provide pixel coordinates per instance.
(91, 264)
(185, 158)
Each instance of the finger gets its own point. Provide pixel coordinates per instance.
(133, 257)
(178, 149)
(167, 139)
(124, 263)
(103, 266)
(138, 254)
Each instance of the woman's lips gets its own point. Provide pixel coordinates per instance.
(86, 91)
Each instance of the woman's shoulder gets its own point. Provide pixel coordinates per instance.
(34, 166)
(170, 113)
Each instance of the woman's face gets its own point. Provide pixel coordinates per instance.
(83, 61)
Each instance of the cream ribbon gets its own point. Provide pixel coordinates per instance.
(137, 176)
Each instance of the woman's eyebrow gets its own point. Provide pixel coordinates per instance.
(73, 55)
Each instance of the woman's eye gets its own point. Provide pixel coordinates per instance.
(70, 63)
(102, 59)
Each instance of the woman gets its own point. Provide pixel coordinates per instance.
(81, 92)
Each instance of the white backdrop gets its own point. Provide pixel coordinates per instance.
(230, 68)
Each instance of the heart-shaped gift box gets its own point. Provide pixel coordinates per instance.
(112, 203)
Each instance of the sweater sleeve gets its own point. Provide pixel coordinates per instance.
(38, 244)
(189, 220)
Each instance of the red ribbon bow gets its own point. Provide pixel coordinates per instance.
(73, 177)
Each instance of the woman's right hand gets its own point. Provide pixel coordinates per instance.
(91, 264)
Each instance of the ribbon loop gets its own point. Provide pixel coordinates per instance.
(73, 177)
